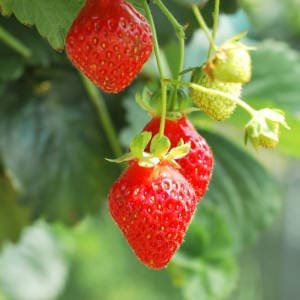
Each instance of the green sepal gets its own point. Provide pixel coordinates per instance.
(179, 152)
(236, 40)
(139, 143)
(275, 115)
(143, 100)
(160, 145)
(124, 158)
(237, 37)
(150, 101)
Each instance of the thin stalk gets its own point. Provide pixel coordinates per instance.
(180, 34)
(103, 115)
(160, 69)
(14, 43)
(203, 25)
(155, 39)
(163, 108)
(179, 29)
(216, 15)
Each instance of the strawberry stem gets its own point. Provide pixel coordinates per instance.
(216, 15)
(14, 43)
(205, 28)
(179, 29)
(160, 69)
(155, 39)
(163, 108)
(103, 115)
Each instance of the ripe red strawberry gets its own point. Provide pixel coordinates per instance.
(109, 42)
(197, 166)
(153, 207)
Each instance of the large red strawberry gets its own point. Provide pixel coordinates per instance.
(109, 42)
(153, 207)
(197, 165)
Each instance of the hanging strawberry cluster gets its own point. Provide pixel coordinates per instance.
(169, 163)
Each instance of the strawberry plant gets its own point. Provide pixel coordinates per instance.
(135, 138)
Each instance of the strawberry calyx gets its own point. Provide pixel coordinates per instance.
(264, 128)
(160, 150)
(150, 101)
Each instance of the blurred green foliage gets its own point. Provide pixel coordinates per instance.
(52, 149)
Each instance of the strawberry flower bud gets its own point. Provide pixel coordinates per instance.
(264, 128)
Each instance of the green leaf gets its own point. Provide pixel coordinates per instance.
(246, 194)
(51, 18)
(13, 218)
(5, 7)
(36, 268)
(51, 144)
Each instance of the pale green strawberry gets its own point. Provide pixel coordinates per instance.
(232, 63)
(215, 106)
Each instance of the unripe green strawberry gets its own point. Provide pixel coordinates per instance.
(232, 63)
(215, 106)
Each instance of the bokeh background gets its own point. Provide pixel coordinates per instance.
(57, 240)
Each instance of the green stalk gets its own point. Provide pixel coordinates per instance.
(179, 29)
(154, 33)
(164, 108)
(14, 43)
(205, 28)
(160, 69)
(215, 25)
(103, 115)
(179, 32)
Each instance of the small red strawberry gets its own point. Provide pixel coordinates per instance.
(153, 207)
(197, 165)
(109, 42)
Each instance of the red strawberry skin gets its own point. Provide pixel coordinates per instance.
(197, 166)
(153, 208)
(109, 42)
